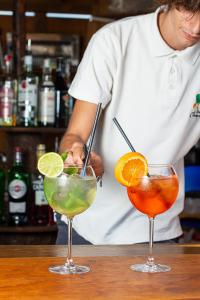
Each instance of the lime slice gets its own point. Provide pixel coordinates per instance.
(50, 164)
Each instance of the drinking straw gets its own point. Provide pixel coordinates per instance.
(83, 172)
(124, 135)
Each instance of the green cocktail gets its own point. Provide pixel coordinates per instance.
(70, 195)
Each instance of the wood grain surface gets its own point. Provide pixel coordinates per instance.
(110, 278)
(91, 250)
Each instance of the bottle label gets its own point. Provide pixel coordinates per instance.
(47, 106)
(28, 60)
(27, 95)
(27, 104)
(17, 189)
(6, 104)
(40, 198)
(39, 193)
(15, 207)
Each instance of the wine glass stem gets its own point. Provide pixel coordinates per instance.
(150, 259)
(70, 262)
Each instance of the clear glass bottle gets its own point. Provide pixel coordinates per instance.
(18, 186)
(40, 205)
(68, 78)
(8, 95)
(27, 109)
(46, 115)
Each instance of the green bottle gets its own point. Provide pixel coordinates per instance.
(27, 93)
(2, 187)
(18, 185)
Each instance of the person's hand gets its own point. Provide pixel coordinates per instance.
(76, 155)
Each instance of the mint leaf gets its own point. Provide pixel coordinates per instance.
(64, 155)
(70, 170)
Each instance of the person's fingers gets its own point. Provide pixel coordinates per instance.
(78, 156)
(78, 153)
(69, 160)
(75, 155)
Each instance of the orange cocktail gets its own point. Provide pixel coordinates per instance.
(152, 189)
(153, 195)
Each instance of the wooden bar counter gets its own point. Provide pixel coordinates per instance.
(24, 273)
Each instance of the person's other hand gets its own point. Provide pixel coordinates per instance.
(97, 164)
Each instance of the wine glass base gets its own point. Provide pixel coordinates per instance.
(65, 269)
(150, 268)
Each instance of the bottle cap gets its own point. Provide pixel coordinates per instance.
(3, 157)
(47, 63)
(28, 46)
(8, 58)
(18, 149)
(60, 58)
(41, 147)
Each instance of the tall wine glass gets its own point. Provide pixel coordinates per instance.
(152, 195)
(70, 194)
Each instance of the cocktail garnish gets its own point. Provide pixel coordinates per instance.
(70, 170)
(129, 167)
(50, 164)
(64, 155)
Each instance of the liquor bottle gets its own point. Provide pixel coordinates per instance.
(18, 184)
(8, 95)
(40, 206)
(68, 78)
(46, 116)
(27, 93)
(3, 160)
(62, 97)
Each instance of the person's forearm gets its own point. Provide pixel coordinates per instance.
(80, 125)
(78, 131)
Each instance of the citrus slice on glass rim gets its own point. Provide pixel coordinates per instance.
(130, 166)
(50, 164)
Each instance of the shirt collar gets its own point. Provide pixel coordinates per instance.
(159, 48)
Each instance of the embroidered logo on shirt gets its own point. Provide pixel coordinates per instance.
(196, 108)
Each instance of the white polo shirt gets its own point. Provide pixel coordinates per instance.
(150, 88)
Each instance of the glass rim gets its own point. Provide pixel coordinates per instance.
(76, 166)
(161, 165)
(155, 166)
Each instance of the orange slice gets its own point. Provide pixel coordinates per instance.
(130, 166)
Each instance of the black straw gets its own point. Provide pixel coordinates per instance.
(124, 135)
(83, 173)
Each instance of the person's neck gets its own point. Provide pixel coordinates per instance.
(165, 27)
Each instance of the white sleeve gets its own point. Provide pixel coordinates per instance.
(94, 78)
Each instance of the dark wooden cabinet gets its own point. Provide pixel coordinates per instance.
(28, 138)
(28, 235)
